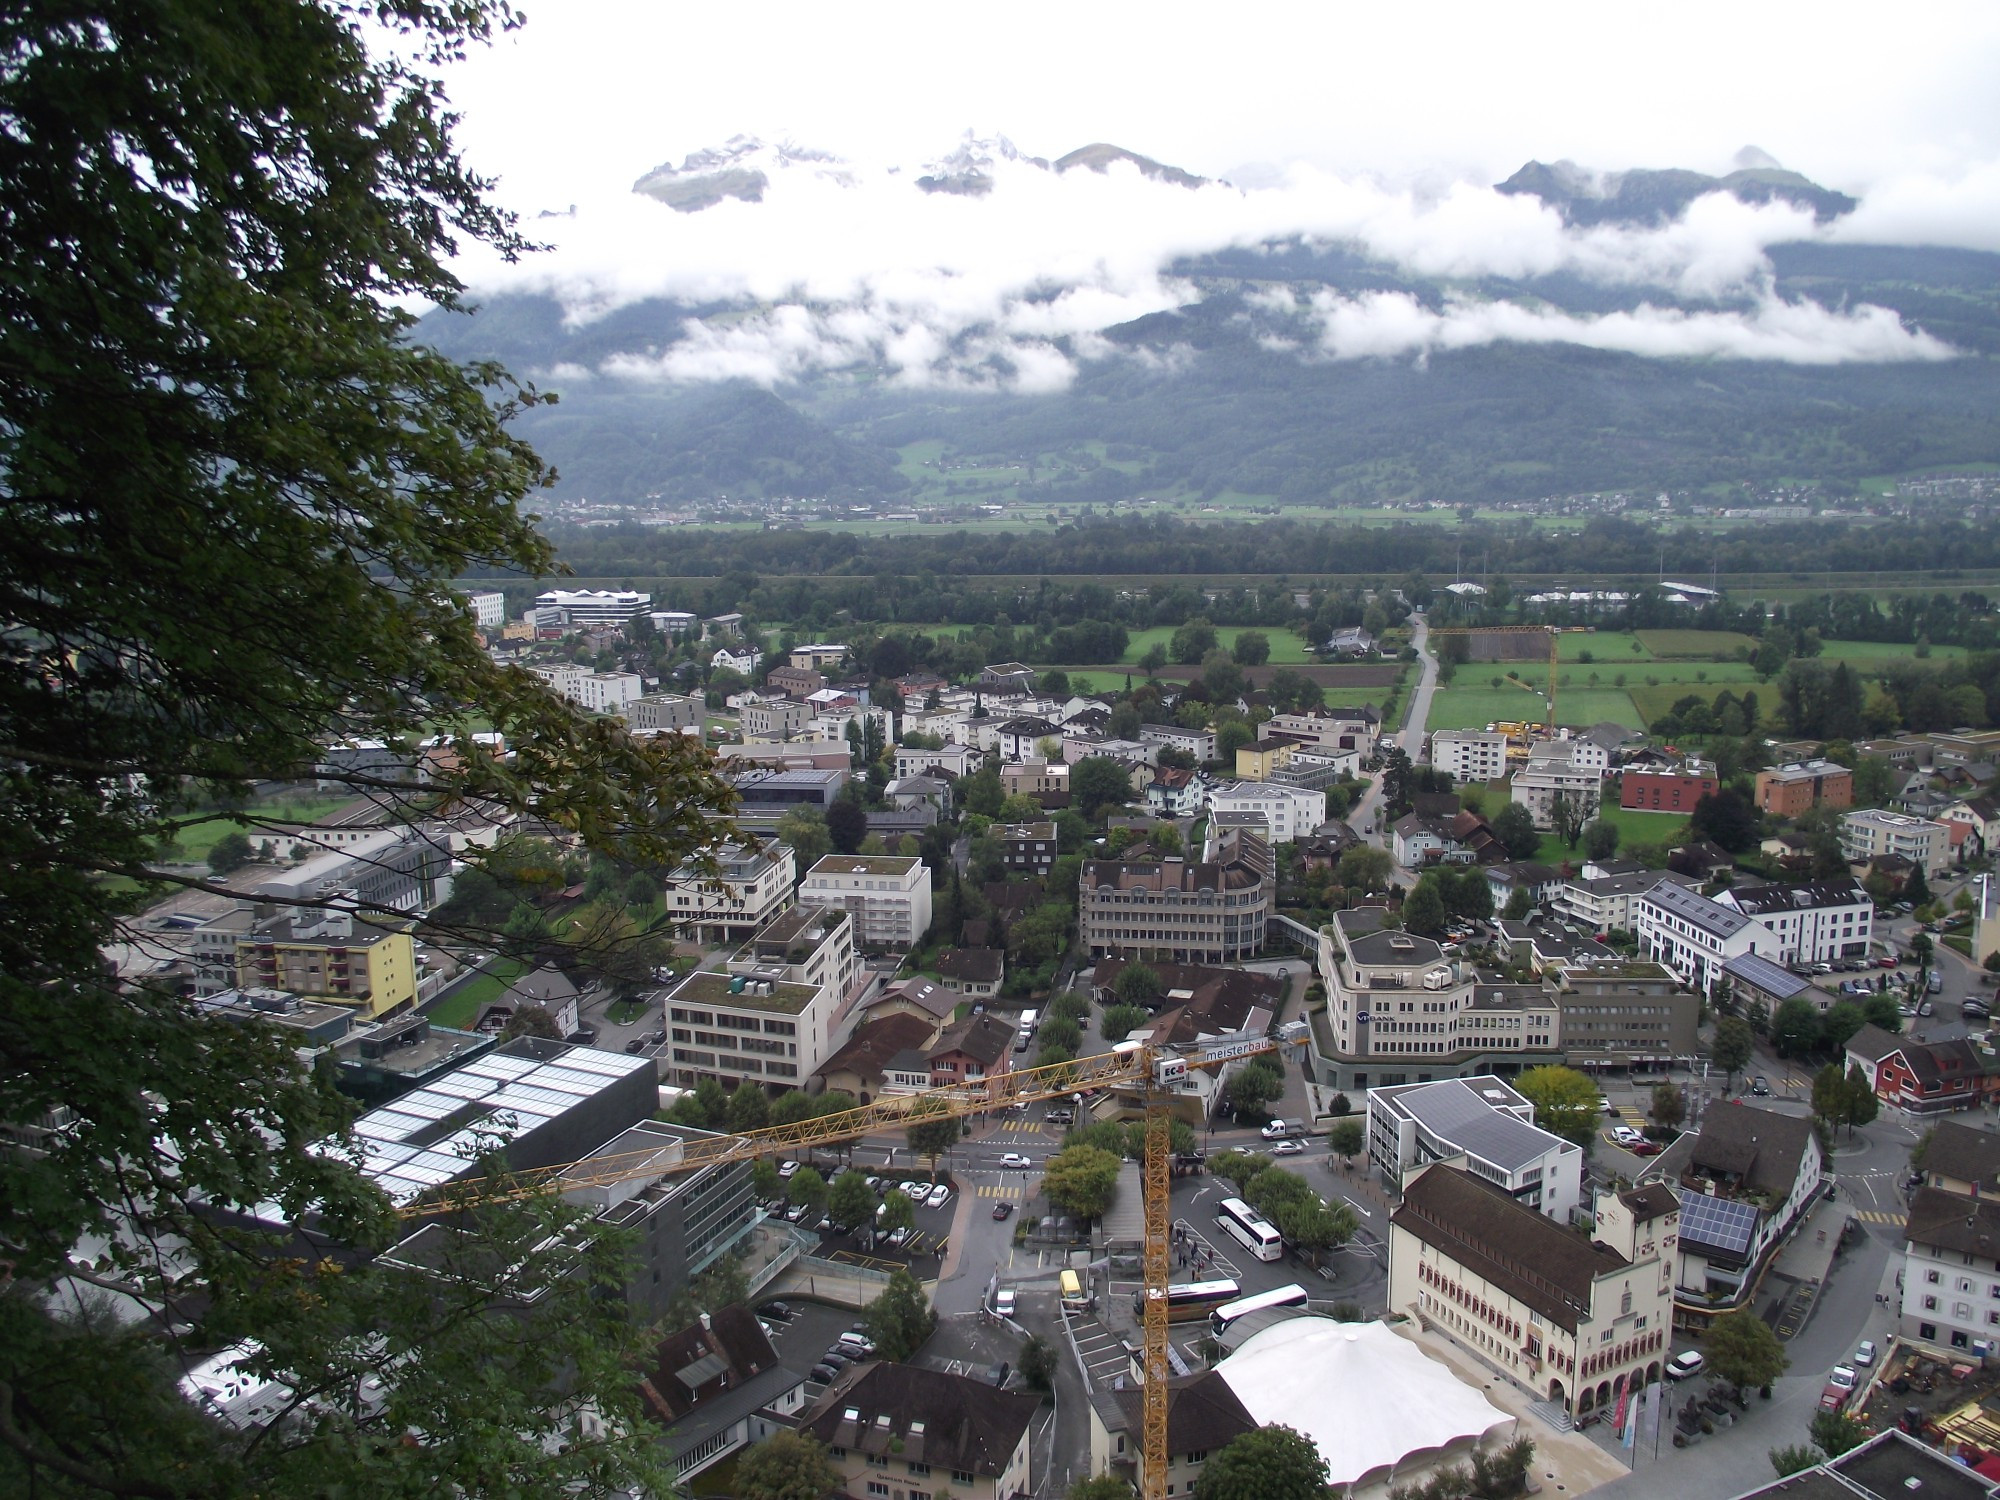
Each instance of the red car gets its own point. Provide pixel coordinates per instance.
(1646, 1148)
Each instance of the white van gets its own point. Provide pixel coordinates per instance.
(1003, 1302)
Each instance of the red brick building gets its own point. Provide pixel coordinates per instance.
(1788, 790)
(1674, 790)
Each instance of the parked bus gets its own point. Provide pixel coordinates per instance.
(1250, 1228)
(1229, 1312)
(1191, 1299)
(1074, 1297)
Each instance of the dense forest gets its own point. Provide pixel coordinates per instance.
(1202, 402)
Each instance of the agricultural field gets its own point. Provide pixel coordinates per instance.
(1365, 680)
(1286, 647)
(1694, 644)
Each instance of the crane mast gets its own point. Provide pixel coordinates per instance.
(1156, 1072)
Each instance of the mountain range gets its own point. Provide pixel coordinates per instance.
(1297, 365)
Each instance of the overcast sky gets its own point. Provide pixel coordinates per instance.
(1382, 125)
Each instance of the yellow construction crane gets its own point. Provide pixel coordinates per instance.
(1153, 1072)
(1553, 632)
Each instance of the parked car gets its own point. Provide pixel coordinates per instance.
(837, 1357)
(1864, 1353)
(1926, 1009)
(938, 1197)
(1604, 1104)
(1626, 1136)
(1686, 1365)
(1002, 1209)
(852, 1343)
(1975, 1008)
(1839, 1386)
(795, 1213)
(782, 1311)
(1288, 1148)
(824, 1373)
(637, 1044)
(653, 1038)
(1646, 1148)
(1003, 1302)
(583, 1036)
(1059, 1115)
(786, 1169)
(1015, 1159)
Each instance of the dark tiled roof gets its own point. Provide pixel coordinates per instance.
(1524, 1253)
(983, 1038)
(1964, 1154)
(946, 1421)
(698, 1363)
(1761, 1146)
(1203, 1413)
(874, 1043)
(972, 965)
(1873, 1043)
(1652, 1201)
(1951, 1221)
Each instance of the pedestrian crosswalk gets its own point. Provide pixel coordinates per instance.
(997, 1190)
(1026, 1127)
(1876, 1216)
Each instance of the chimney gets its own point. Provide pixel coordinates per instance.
(707, 1323)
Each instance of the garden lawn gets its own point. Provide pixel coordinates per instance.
(1469, 703)
(1587, 706)
(461, 1007)
(1635, 827)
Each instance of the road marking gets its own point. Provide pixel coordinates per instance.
(1870, 1216)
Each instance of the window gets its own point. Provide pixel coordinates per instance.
(919, 1471)
(1960, 1339)
(1932, 1277)
(876, 1487)
(966, 1476)
(1927, 1331)
(1930, 1304)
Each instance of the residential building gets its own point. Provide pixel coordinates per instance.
(971, 1049)
(948, 760)
(1756, 980)
(860, 1066)
(489, 611)
(1669, 789)
(330, 954)
(1398, 1012)
(1259, 759)
(810, 945)
(1200, 743)
(1343, 728)
(976, 972)
(1868, 833)
(1891, 1465)
(924, 998)
(1198, 1003)
(818, 656)
(546, 989)
(915, 687)
(1539, 881)
(1788, 790)
(1027, 847)
(727, 626)
(792, 755)
(1745, 1179)
(1350, 640)
(578, 609)
(1605, 905)
(1694, 936)
(1315, 769)
(1047, 783)
(1814, 923)
(1965, 747)
(763, 797)
(1007, 679)
(1208, 911)
(1418, 840)
(890, 1427)
(718, 1386)
(773, 719)
(674, 624)
(1021, 738)
(1576, 1322)
(1174, 793)
(664, 711)
(929, 795)
(1625, 1015)
(889, 895)
(1569, 770)
(1469, 754)
(737, 1029)
(1951, 1277)
(1924, 1078)
(743, 663)
(1135, 756)
(1962, 1159)
(1204, 1416)
(794, 682)
(1482, 1124)
(749, 888)
(1288, 812)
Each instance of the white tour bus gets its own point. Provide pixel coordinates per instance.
(1250, 1228)
(1229, 1312)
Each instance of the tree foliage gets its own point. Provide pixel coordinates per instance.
(1733, 1045)
(899, 1320)
(1742, 1349)
(1515, 827)
(1081, 1180)
(786, 1465)
(851, 1202)
(1038, 1363)
(1565, 1102)
(1348, 1138)
(1272, 1463)
(239, 502)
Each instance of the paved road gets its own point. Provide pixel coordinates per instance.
(1365, 815)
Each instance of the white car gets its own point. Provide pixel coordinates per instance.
(1288, 1148)
(916, 1191)
(1864, 1353)
(939, 1196)
(786, 1169)
(1625, 1135)
(1277, 1130)
(1015, 1159)
(1686, 1365)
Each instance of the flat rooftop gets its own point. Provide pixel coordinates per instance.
(863, 864)
(735, 992)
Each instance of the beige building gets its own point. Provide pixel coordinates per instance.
(1035, 778)
(329, 955)
(894, 1429)
(733, 1028)
(889, 896)
(1865, 835)
(1211, 911)
(1625, 1014)
(1573, 1321)
(776, 719)
(754, 886)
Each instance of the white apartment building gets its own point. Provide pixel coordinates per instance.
(489, 610)
(743, 663)
(1469, 754)
(952, 725)
(1814, 923)
(1567, 769)
(583, 608)
(755, 885)
(952, 760)
(1289, 812)
(1490, 1125)
(1605, 904)
(732, 1028)
(1951, 1280)
(1200, 743)
(809, 945)
(1864, 835)
(665, 711)
(1333, 728)
(598, 692)
(889, 896)
(674, 623)
(1695, 936)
